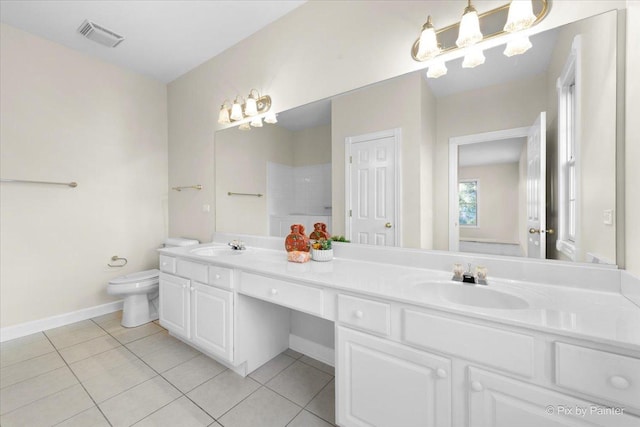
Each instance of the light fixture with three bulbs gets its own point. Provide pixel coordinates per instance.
(520, 17)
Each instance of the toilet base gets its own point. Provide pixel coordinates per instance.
(138, 310)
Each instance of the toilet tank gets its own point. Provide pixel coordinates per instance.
(173, 242)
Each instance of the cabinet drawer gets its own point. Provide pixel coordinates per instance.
(192, 270)
(505, 350)
(598, 373)
(364, 314)
(298, 297)
(220, 276)
(167, 264)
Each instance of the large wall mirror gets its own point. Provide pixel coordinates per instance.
(515, 157)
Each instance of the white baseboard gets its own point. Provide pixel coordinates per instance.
(312, 349)
(28, 328)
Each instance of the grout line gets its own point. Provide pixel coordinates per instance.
(317, 394)
(81, 385)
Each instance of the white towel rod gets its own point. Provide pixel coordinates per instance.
(22, 181)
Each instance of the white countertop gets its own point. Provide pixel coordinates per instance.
(604, 317)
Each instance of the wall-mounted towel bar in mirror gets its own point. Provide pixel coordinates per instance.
(195, 187)
(244, 194)
(22, 181)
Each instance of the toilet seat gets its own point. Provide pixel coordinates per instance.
(140, 277)
(135, 283)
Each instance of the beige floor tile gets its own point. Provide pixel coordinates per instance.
(170, 356)
(272, 368)
(88, 348)
(49, 410)
(307, 419)
(28, 391)
(101, 363)
(318, 364)
(324, 404)
(181, 412)
(24, 348)
(108, 318)
(66, 336)
(299, 382)
(92, 417)
(127, 335)
(222, 392)
(118, 379)
(152, 343)
(263, 408)
(293, 353)
(135, 404)
(193, 372)
(30, 368)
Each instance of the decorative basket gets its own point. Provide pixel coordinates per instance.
(322, 255)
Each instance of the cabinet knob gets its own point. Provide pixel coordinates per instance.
(273, 291)
(184, 286)
(441, 373)
(359, 314)
(217, 276)
(193, 289)
(619, 382)
(476, 386)
(164, 264)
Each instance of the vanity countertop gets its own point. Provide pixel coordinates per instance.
(604, 317)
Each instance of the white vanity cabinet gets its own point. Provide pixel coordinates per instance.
(384, 384)
(195, 311)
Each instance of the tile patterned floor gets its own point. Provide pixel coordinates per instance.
(98, 373)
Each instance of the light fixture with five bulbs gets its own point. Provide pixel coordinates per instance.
(247, 112)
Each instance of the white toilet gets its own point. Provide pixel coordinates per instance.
(140, 291)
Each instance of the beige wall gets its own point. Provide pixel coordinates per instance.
(632, 143)
(498, 202)
(312, 146)
(242, 168)
(597, 170)
(396, 103)
(483, 110)
(68, 117)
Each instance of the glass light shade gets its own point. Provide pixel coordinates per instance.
(251, 107)
(256, 122)
(244, 126)
(223, 117)
(469, 33)
(518, 46)
(236, 111)
(436, 69)
(520, 16)
(428, 45)
(270, 118)
(473, 58)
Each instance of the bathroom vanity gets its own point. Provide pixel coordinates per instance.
(412, 347)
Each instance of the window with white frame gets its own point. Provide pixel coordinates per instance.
(568, 87)
(468, 202)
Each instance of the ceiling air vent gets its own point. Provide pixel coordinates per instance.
(99, 34)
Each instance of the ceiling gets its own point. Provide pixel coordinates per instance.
(163, 39)
(491, 152)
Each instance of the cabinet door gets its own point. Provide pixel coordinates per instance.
(174, 304)
(385, 384)
(497, 401)
(212, 320)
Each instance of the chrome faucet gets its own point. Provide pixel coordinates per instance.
(480, 278)
(237, 245)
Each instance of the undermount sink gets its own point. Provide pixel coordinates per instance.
(214, 251)
(478, 296)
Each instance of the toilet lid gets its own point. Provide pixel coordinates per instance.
(136, 277)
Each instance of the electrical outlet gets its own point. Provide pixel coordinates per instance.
(607, 217)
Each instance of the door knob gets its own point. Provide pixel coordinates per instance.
(388, 225)
(538, 231)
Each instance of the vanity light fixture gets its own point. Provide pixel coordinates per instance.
(270, 118)
(518, 14)
(247, 112)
